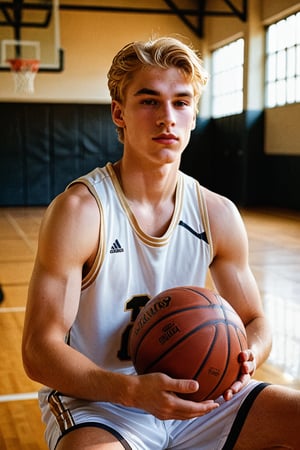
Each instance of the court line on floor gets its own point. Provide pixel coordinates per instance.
(13, 222)
(12, 309)
(15, 397)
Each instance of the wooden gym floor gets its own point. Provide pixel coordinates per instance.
(275, 259)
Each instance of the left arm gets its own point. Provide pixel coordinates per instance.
(235, 282)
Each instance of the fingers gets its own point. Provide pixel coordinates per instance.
(248, 366)
(248, 362)
(236, 386)
(246, 355)
(162, 395)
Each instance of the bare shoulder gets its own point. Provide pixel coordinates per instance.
(72, 220)
(220, 207)
(225, 219)
(76, 200)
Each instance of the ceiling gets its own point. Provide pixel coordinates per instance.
(193, 14)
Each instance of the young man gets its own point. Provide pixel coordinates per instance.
(115, 238)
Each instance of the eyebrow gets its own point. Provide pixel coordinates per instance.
(148, 91)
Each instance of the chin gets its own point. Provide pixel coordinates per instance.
(170, 156)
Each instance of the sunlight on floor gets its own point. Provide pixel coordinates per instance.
(284, 317)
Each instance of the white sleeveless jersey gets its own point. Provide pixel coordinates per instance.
(131, 266)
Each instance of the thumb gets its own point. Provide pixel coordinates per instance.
(185, 386)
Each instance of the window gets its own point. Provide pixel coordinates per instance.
(283, 62)
(227, 79)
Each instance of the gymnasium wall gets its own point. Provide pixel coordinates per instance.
(65, 128)
(267, 153)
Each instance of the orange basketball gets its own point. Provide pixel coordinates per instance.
(192, 333)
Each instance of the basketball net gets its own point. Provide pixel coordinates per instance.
(24, 72)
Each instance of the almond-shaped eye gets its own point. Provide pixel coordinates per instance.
(182, 103)
(149, 101)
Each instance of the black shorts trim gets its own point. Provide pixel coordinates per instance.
(115, 433)
(242, 415)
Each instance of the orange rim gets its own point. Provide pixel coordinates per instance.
(20, 64)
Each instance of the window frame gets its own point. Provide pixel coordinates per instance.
(227, 102)
(282, 62)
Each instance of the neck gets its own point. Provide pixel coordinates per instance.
(151, 185)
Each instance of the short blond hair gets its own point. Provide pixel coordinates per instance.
(164, 52)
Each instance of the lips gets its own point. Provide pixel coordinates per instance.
(166, 138)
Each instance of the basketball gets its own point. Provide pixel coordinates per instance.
(192, 333)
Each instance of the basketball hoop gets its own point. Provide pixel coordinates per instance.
(24, 72)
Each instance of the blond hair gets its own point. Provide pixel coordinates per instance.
(163, 52)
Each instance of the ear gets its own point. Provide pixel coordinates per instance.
(194, 122)
(117, 114)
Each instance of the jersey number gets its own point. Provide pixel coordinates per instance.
(134, 305)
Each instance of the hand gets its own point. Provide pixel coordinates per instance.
(248, 366)
(156, 393)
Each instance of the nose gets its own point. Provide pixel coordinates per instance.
(166, 116)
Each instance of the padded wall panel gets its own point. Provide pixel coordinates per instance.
(11, 155)
(282, 181)
(255, 158)
(197, 158)
(65, 161)
(229, 153)
(37, 154)
(45, 146)
(98, 137)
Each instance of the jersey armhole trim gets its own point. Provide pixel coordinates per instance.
(93, 272)
(204, 215)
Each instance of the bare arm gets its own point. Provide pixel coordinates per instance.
(68, 238)
(67, 244)
(234, 279)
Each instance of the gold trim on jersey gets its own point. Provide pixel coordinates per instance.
(146, 238)
(205, 218)
(93, 272)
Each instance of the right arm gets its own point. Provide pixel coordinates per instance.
(68, 238)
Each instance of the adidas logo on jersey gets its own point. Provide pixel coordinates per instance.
(116, 247)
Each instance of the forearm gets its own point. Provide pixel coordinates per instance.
(259, 337)
(70, 372)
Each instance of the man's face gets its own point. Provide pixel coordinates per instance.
(158, 114)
